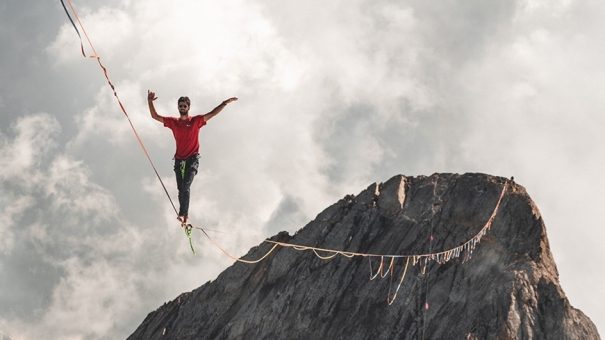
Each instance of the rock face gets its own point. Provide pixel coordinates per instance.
(508, 289)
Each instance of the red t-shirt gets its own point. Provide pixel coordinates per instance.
(186, 134)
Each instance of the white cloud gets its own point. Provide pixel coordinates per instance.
(34, 139)
(56, 214)
(541, 7)
(13, 209)
(333, 96)
(109, 25)
(70, 191)
(327, 104)
(538, 116)
(94, 295)
(211, 59)
(18, 157)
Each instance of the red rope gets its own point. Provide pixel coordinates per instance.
(115, 94)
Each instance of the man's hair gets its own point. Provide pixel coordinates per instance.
(184, 99)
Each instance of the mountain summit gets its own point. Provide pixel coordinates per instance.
(473, 249)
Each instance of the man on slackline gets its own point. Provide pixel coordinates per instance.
(185, 129)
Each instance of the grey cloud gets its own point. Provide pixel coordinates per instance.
(287, 216)
(68, 236)
(331, 99)
(414, 136)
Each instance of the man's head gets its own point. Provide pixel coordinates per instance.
(184, 103)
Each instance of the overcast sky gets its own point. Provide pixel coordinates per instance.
(334, 95)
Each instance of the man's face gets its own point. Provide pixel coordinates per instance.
(183, 108)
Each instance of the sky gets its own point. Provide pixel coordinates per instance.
(333, 96)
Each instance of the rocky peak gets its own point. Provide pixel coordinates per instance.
(508, 288)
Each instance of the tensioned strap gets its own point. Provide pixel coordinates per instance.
(104, 69)
(218, 246)
(76, 28)
(440, 257)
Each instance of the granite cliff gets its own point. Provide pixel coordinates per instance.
(507, 289)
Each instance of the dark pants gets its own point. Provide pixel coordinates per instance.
(185, 170)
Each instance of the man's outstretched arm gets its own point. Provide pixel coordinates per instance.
(218, 109)
(154, 114)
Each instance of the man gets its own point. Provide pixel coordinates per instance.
(186, 133)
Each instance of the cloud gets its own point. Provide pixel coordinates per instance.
(540, 119)
(242, 55)
(33, 139)
(333, 96)
(67, 253)
(104, 24)
(13, 209)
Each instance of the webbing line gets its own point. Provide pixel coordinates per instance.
(389, 300)
(105, 73)
(76, 28)
(439, 257)
(228, 254)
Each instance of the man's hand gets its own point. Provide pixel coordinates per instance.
(227, 101)
(151, 96)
